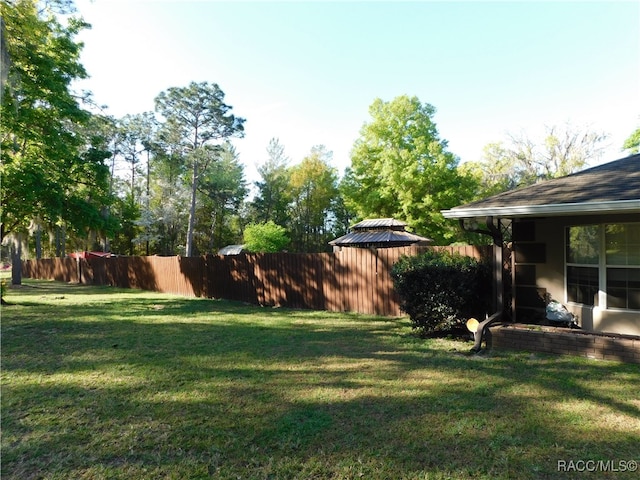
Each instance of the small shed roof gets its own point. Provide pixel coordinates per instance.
(231, 250)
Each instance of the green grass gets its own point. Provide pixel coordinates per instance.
(101, 383)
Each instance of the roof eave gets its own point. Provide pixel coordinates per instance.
(549, 210)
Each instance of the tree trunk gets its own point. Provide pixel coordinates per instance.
(192, 211)
(58, 248)
(16, 260)
(147, 200)
(60, 241)
(38, 242)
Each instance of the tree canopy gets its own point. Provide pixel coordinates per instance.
(52, 168)
(401, 168)
(632, 143)
(520, 160)
(271, 201)
(199, 119)
(40, 145)
(313, 185)
(265, 237)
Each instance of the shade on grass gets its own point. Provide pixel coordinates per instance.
(106, 383)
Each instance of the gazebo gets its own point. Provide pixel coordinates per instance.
(378, 233)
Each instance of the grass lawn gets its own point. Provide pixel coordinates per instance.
(101, 383)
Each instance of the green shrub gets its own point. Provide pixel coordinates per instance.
(3, 290)
(265, 237)
(440, 291)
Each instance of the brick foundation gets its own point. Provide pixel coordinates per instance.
(623, 348)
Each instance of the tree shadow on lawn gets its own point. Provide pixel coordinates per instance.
(261, 393)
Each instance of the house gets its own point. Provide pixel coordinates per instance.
(378, 233)
(574, 239)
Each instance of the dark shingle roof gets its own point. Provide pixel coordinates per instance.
(615, 181)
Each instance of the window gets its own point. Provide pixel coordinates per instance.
(582, 285)
(583, 259)
(622, 246)
(623, 288)
(613, 249)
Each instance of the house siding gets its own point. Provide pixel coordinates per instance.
(539, 274)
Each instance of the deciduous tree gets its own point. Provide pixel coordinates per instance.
(313, 185)
(632, 143)
(401, 168)
(521, 160)
(50, 170)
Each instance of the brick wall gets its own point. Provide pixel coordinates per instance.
(623, 348)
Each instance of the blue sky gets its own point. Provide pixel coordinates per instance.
(306, 72)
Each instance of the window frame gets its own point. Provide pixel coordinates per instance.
(617, 266)
(595, 265)
(601, 299)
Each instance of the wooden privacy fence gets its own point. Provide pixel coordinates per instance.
(354, 279)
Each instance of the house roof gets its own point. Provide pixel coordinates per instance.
(613, 187)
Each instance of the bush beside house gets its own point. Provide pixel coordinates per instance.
(440, 291)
